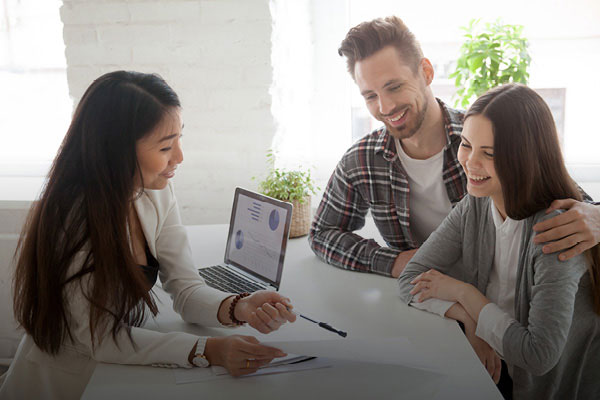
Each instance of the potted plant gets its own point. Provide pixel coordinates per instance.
(490, 56)
(294, 187)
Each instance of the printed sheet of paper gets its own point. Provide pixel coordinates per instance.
(290, 363)
(394, 351)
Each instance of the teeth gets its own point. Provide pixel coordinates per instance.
(477, 177)
(398, 117)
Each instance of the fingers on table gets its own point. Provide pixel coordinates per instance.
(252, 365)
(261, 352)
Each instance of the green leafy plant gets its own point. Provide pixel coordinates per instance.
(489, 57)
(286, 185)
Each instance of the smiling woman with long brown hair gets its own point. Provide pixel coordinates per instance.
(540, 314)
(105, 227)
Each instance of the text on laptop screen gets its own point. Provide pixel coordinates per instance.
(257, 235)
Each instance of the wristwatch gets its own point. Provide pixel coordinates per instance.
(200, 359)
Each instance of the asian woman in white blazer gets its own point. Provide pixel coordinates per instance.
(105, 227)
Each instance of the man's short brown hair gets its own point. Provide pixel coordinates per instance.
(369, 37)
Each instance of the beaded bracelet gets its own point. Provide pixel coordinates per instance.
(232, 308)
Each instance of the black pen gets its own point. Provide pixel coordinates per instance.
(323, 325)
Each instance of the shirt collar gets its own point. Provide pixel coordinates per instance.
(507, 224)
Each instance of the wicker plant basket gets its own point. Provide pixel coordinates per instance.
(300, 218)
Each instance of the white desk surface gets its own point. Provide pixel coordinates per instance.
(365, 305)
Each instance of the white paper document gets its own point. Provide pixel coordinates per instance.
(339, 353)
(290, 363)
(394, 351)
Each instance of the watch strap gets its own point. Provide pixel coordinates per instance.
(200, 359)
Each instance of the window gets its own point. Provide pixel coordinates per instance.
(561, 39)
(564, 44)
(35, 103)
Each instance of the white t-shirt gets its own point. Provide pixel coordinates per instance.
(428, 199)
(498, 315)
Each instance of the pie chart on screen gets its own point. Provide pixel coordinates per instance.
(239, 239)
(274, 220)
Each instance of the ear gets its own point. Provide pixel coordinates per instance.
(426, 70)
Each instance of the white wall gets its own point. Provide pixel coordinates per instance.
(216, 54)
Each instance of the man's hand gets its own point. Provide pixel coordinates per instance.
(577, 229)
(401, 261)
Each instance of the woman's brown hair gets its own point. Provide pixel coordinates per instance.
(528, 159)
(82, 215)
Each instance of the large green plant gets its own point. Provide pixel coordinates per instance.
(286, 185)
(491, 55)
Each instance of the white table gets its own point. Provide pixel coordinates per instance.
(364, 305)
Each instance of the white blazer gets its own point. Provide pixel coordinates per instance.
(35, 374)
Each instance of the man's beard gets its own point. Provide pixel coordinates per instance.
(404, 132)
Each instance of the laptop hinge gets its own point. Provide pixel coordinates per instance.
(248, 276)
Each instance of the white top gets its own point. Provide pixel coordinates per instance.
(496, 316)
(428, 197)
(34, 374)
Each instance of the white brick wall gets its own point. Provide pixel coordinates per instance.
(216, 54)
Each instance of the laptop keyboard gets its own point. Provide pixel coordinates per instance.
(225, 280)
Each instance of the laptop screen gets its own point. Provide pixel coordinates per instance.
(258, 234)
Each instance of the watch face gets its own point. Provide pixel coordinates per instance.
(200, 361)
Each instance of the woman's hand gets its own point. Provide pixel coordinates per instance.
(434, 284)
(240, 355)
(488, 356)
(265, 310)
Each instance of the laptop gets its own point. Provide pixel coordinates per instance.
(258, 234)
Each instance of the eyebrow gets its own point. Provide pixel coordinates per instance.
(385, 85)
(171, 136)
(391, 82)
(482, 147)
(168, 137)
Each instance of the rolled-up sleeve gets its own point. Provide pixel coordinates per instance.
(435, 306)
(492, 324)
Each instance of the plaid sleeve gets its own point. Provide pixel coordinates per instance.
(342, 211)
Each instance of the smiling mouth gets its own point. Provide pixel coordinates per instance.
(398, 117)
(169, 174)
(476, 179)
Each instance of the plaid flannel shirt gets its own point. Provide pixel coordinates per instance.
(371, 177)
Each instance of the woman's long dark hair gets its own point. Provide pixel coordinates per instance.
(82, 215)
(528, 159)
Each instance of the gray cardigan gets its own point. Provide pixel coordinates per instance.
(554, 347)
